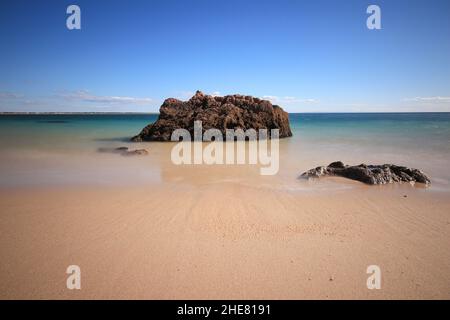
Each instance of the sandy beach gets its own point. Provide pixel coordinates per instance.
(225, 150)
(224, 241)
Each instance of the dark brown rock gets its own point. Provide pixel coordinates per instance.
(113, 150)
(228, 112)
(137, 152)
(124, 151)
(370, 174)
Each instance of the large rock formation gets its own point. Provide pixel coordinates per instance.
(229, 112)
(370, 174)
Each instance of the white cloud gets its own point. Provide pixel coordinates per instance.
(437, 99)
(289, 100)
(10, 95)
(183, 95)
(86, 96)
(186, 95)
(81, 100)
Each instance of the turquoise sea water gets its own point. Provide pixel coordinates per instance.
(34, 145)
(431, 129)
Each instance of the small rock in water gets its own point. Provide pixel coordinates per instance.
(370, 174)
(124, 151)
(137, 152)
(113, 150)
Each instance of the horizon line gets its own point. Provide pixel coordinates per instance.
(157, 113)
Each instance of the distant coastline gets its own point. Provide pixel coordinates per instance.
(75, 113)
(156, 113)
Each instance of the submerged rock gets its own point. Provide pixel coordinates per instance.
(113, 150)
(124, 151)
(137, 152)
(229, 112)
(370, 174)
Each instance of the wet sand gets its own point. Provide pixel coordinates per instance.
(224, 240)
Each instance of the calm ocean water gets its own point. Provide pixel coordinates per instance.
(421, 140)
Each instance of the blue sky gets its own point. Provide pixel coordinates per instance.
(307, 56)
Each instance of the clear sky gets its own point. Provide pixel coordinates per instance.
(307, 56)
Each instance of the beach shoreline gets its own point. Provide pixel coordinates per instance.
(144, 228)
